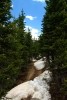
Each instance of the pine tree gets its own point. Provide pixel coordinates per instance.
(35, 49)
(5, 15)
(21, 36)
(53, 23)
(55, 39)
(15, 47)
(28, 44)
(10, 62)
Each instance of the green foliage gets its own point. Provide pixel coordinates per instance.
(15, 47)
(5, 15)
(35, 49)
(28, 44)
(53, 41)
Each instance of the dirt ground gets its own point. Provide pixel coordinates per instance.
(29, 74)
(32, 72)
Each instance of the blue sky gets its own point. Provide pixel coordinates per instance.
(34, 11)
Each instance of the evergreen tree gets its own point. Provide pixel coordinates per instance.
(28, 44)
(15, 47)
(53, 23)
(5, 78)
(55, 39)
(5, 15)
(21, 27)
(35, 49)
(42, 48)
(21, 36)
(10, 48)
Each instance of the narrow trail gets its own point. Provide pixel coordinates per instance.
(32, 83)
(30, 74)
(33, 72)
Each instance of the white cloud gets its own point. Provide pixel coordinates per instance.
(34, 32)
(30, 17)
(42, 1)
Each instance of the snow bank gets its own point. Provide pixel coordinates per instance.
(21, 91)
(37, 88)
(39, 64)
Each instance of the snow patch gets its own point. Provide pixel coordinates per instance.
(39, 64)
(37, 88)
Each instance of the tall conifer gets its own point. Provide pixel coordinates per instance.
(55, 39)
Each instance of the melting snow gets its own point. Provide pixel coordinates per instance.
(37, 88)
(39, 64)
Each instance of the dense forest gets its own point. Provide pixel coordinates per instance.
(53, 44)
(17, 48)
